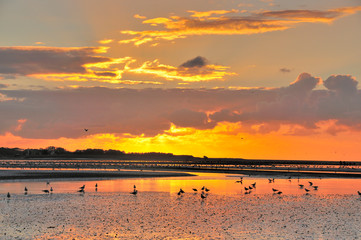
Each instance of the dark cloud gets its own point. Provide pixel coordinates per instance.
(65, 112)
(342, 84)
(195, 62)
(47, 60)
(285, 70)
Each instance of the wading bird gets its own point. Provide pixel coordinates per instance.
(46, 191)
(134, 192)
(8, 195)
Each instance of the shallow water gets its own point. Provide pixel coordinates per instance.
(218, 183)
(158, 212)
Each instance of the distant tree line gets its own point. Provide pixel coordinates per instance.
(58, 152)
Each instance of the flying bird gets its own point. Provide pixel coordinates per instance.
(301, 185)
(307, 190)
(274, 190)
(203, 196)
(315, 187)
(194, 189)
(311, 183)
(181, 191)
(359, 193)
(85, 129)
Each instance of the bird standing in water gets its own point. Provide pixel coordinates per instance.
(8, 195)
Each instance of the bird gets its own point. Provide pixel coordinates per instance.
(8, 195)
(203, 196)
(274, 190)
(249, 187)
(311, 183)
(25, 189)
(245, 188)
(134, 192)
(85, 129)
(51, 189)
(46, 191)
(206, 189)
(96, 185)
(203, 188)
(269, 180)
(134, 187)
(82, 187)
(279, 193)
(194, 189)
(81, 190)
(181, 191)
(315, 187)
(359, 193)
(301, 185)
(307, 190)
(253, 185)
(47, 183)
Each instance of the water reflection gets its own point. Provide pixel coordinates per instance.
(217, 183)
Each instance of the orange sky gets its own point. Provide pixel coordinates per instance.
(252, 79)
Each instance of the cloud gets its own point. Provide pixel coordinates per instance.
(84, 64)
(285, 70)
(296, 109)
(342, 84)
(195, 62)
(47, 60)
(217, 23)
(194, 70)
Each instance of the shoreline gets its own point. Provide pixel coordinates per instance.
(81, 174)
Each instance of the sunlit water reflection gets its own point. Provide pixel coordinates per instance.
(158, 212)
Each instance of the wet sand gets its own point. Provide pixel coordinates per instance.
(159, 215)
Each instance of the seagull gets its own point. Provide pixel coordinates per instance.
(81, 190)
(254, 185)
(311, 183)
(134, 192)
(249, 187)
(203, 188)
(45, 191)
(359, 193)
(85, 129)
(315, 187)
(274, 190)
(279, 193)
(301, 185)
(307, 190)
(181, 191)
(8, 195)
(202, 196)
(245, 188)
(206, 189)
(82, 187)
(194, 189)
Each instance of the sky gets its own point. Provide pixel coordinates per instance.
(261, 79)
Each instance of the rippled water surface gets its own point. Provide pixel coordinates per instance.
(158, 212)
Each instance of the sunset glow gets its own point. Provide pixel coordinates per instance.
(263, 79)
